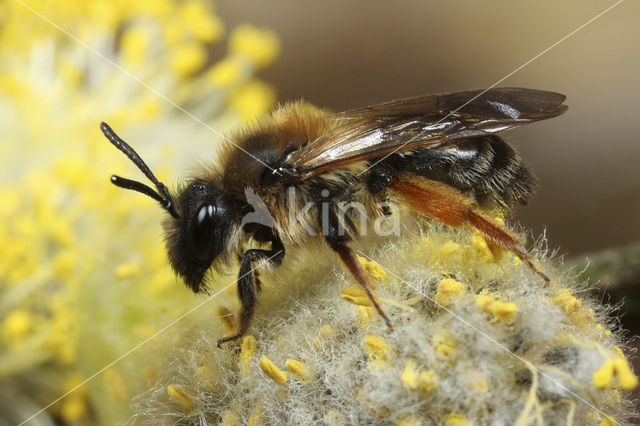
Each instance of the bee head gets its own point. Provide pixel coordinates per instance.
(196, 238)
(199, 222)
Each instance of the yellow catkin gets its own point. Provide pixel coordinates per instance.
(226, 317)
(375, 271)
(298, 368)
(180, 397)
(356, 296)
(270, 369)
(449, 290)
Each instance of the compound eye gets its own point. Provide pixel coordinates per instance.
(202, 233)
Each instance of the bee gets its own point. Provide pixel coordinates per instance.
(439, 154)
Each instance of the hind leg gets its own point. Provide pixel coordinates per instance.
(448, 205)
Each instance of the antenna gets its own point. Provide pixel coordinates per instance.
(162, 196)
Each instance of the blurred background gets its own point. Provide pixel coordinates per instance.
(72, 300)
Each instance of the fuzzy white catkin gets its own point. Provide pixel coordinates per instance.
(471, 363)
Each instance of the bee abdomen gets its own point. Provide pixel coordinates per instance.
(487, 167)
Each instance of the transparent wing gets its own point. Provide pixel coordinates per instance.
(420, 122)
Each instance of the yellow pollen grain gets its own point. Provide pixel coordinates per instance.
(456, 419)
(376, 347)
(480, 385)
(608, 421)
(516, 260)
(375, 271)
(445, 253)
(356, 296)
(331, 418)
(298, 368)
(626, 378)
(226, 318)
(364, 315)
(484, 302)
(443, 343)
(230, 418)
(504, 311)
(410, 375)
(427, 382)
(127, 270)
(408, 420)
(180, 397)
(448, 290)
(483, 250)
(603, 376)
(270, 369)
(255, 418)
(205, 377)
(566, 301)
(325, 332)
(247, 350)
(618, 351)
